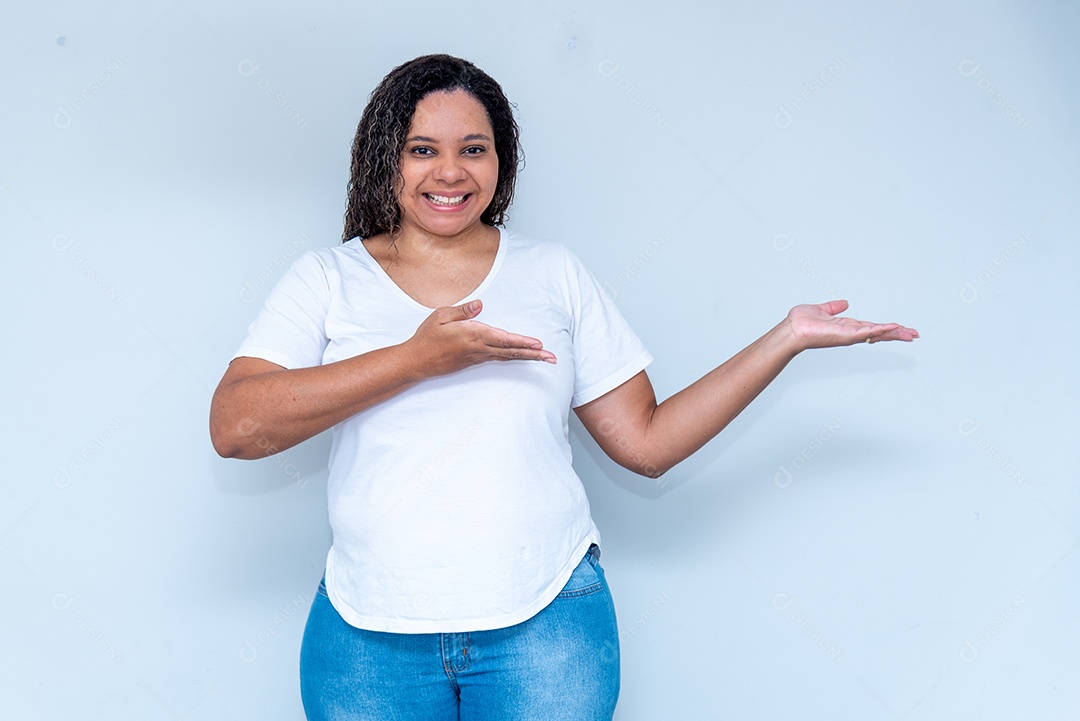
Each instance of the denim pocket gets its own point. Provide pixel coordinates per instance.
(585, 579)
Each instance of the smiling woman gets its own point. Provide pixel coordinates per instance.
(464, 579)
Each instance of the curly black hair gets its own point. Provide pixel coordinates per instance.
(380, 137)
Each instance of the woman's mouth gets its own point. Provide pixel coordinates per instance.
(447, 200)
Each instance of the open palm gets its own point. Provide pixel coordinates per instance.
(821, 326)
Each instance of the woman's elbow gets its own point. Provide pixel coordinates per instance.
(651, 471)
(233, 438)
(648, 465)
(225, 444)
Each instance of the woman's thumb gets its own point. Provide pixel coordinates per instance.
(471, 309)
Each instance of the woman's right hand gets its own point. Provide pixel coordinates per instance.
(450, 340)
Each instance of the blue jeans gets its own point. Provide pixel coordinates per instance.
(560, 665)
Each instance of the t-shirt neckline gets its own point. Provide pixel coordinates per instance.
(400, 293)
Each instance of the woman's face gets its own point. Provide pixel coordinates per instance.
(449, 168)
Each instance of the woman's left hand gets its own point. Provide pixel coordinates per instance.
(820, 326)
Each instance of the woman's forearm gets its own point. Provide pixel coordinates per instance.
(260, 408)
(689, 419)
(256, 414)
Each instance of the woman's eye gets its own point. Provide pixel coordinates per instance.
(421, 150)
(475, 150)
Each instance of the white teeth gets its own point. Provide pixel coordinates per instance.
(443, 200)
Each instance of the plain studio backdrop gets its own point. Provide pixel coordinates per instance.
(890, 531)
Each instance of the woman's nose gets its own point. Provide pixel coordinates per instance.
(449, 168)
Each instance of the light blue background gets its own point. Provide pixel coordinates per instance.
(888, 532)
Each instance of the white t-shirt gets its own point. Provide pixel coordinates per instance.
(453, 504)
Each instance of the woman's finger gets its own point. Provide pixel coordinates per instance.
(521, 347)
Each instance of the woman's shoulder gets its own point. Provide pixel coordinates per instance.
(329, 257)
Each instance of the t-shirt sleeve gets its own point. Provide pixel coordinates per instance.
(290, 330)
(607, 352)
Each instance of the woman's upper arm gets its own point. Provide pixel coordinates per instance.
(618, 421)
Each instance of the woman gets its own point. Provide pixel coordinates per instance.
(464, 577)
